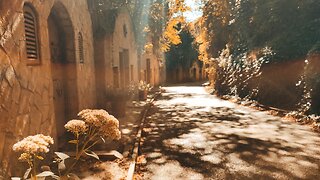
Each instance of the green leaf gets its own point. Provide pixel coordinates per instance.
(73, 176)
(55, 177)
(117, 154)
(73, 142)
(15, 178)
(62, 156)
(62, 165)
(104, 141)
(26, 174)
(45, 174)
(92, 154)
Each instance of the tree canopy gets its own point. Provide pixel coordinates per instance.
(184, 54)
(290, 28)
(151, 18)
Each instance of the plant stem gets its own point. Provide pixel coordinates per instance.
(94, 143)
(77, 145)
(70, 168)
(34, 168)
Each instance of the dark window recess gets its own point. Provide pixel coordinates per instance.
(132, 73)
(81, 52)
(125, 31)
(115, 77)
(30, 25)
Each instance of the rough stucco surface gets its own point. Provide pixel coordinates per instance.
(278, 82)
(153, 71)
(26, 92)
(107, 51)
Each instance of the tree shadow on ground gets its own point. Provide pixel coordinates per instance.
(227, 143)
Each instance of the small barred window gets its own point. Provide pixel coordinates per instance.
(81, 52)
(31, 34)
(125, 31)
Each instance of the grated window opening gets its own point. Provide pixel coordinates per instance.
(81, 50)
(30, 26)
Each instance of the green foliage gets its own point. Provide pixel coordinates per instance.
(149, 14)
(253, 33)
(289, 27)
(153, 20)
(183, 54)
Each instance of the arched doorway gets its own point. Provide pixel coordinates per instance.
(63, 67)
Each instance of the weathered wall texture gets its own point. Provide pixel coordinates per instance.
(27, 91)
(110, 51)
(196, 72)
(150, 64)
(150, 69)
(278, 84)
(124, 39)
(180, 74)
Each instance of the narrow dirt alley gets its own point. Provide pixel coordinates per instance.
(193, 135)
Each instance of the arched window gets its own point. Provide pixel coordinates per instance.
(31, 34)
(80, 44)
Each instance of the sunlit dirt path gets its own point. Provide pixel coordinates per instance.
(193, 135)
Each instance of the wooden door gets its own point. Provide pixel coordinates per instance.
(56, 55)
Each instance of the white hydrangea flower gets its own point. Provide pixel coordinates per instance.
(76, 126)
(106, 124)
(34, 144)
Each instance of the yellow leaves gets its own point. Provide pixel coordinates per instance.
(164, 47)
(73, 142)
(148, 47)
(171, 33)
(177, 7)
(202, 40)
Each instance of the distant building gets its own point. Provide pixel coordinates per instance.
(116, 57)
(196, 71)
(151, 65)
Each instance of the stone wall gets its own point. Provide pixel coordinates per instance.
(196, 72)
(279, 82)
(26, 91)
(107, 57)
(277, 86)
(150, 73)
(124, 39)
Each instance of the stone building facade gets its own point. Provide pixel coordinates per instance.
(196, 72)
(150, 68)
(51, 67)
(46, 69)
(116, 57)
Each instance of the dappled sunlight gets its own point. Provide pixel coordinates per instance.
(192, 96)
(174, 171)
(219, 139)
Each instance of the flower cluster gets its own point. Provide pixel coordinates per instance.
(32, 145)
(106, 124)
(144, 86)
(76, 126)
(25, 157)
(111, 128)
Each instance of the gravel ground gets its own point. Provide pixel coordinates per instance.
(190, 134)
